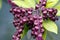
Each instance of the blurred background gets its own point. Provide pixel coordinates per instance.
(7, 29)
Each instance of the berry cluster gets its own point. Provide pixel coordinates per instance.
(33, 18)
(22, 16)
(38, 28)
(50, 13)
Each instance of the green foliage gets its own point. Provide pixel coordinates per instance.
(0, 4)
(31, 3)
(24, 31)
(21, 4)
(58, 8)
(37, 1)
(51, 3)
(44, 35)
(50, 26)
(58, 13)
(25, 3)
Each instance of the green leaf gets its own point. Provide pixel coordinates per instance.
(50, 26)
(51, 3)
(37, 1)
(44, 35)
(25, 4)
(58, 13)
(0, 4)
(21, 4)
(58, 8)
(24, 31)
(31, 3)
